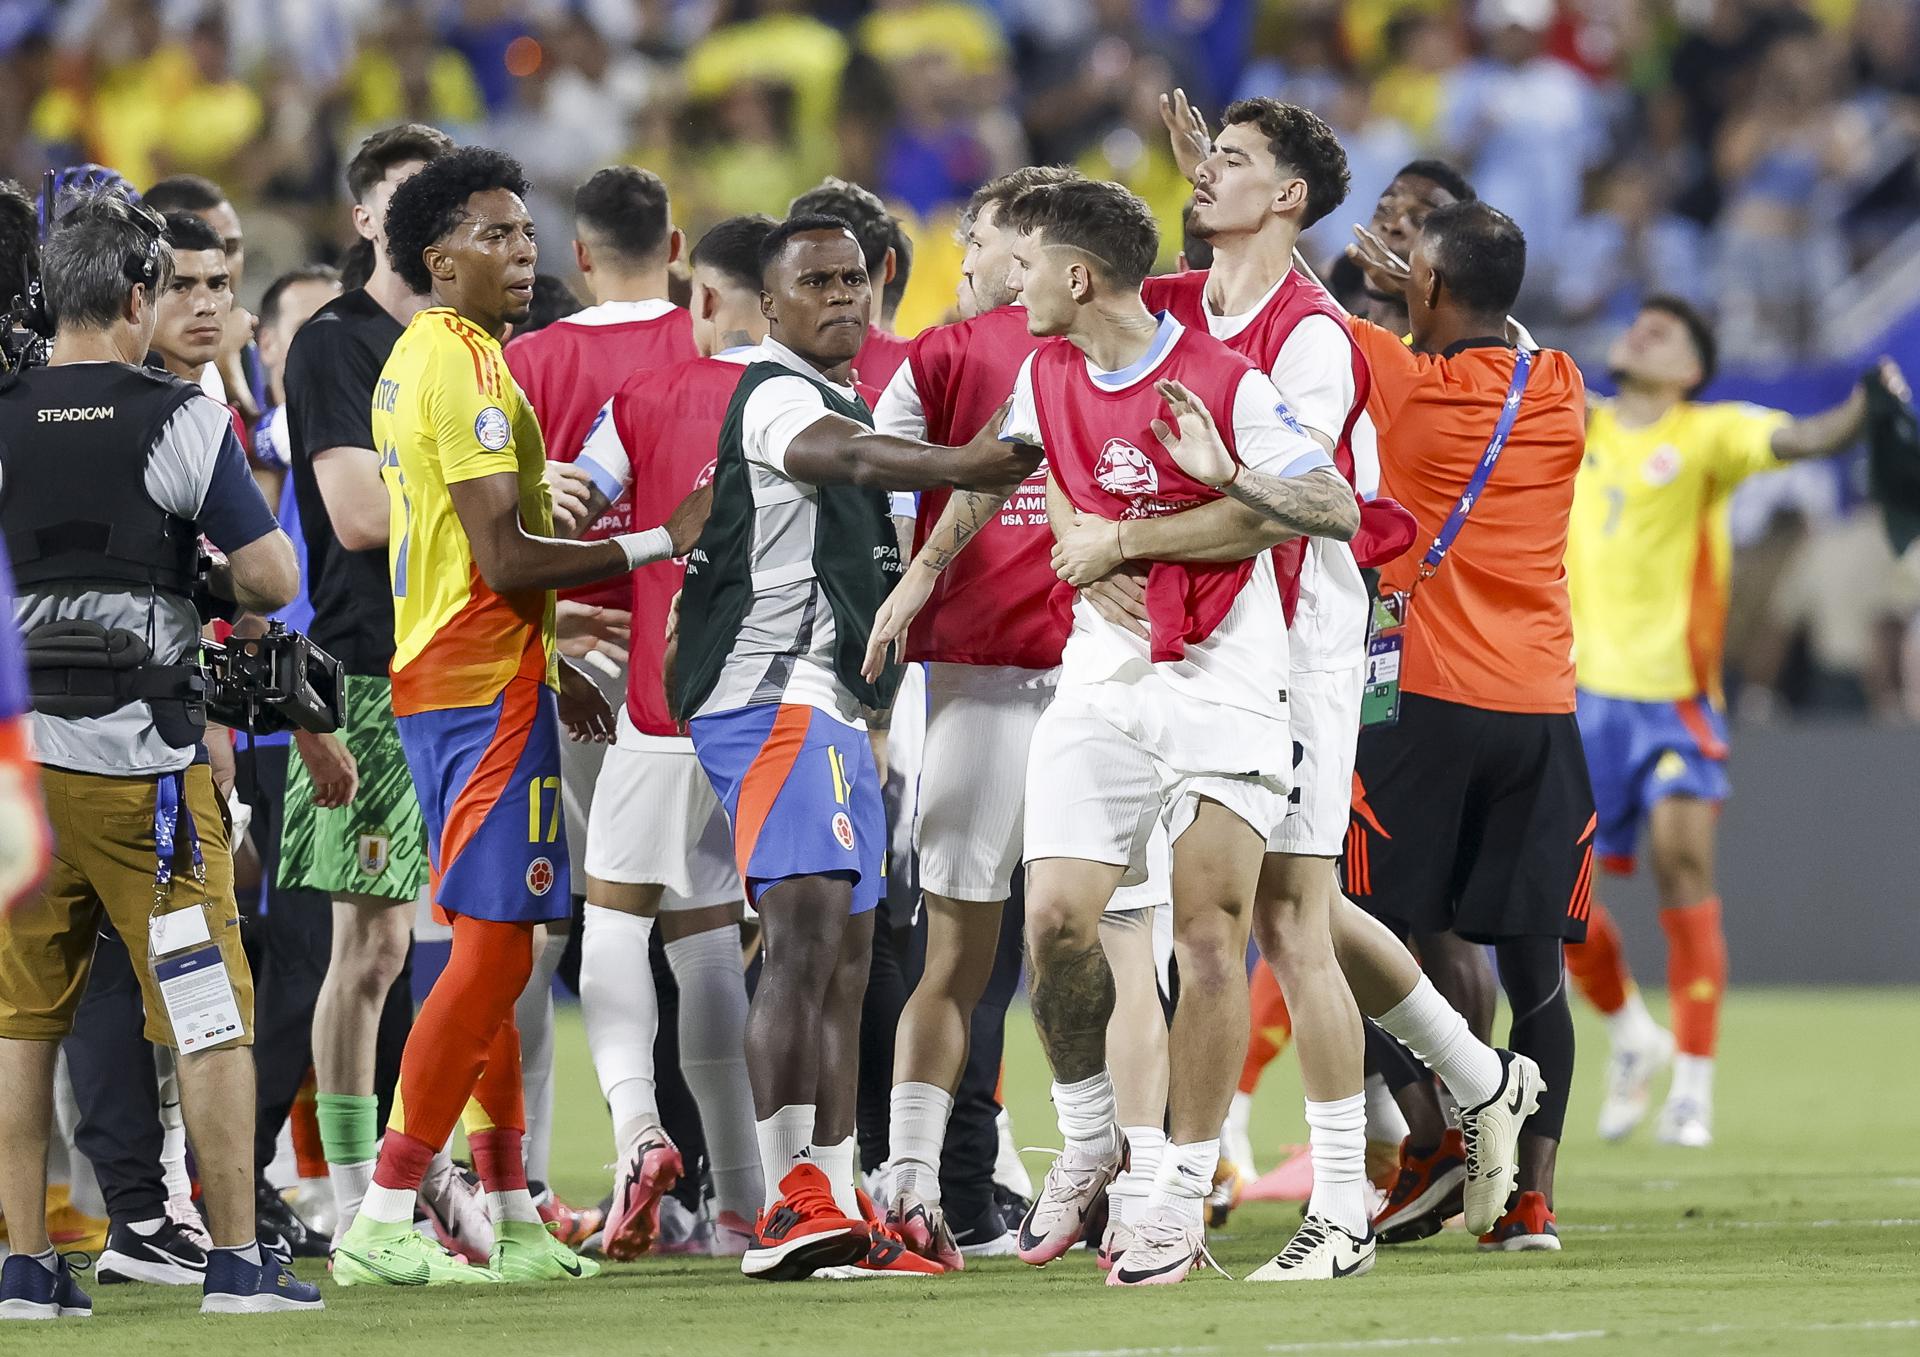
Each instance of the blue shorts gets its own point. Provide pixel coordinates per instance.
(802, 794)
(488, 779)
(1639, 753)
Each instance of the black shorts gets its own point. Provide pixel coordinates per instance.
(1474, 822)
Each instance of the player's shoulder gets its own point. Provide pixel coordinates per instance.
(1166, 289)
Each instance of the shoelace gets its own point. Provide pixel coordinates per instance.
(812, 1200)
(1163, 1232)
(1078, 1179)
(1311, 1235)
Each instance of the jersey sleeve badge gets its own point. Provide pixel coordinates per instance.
(490, 426)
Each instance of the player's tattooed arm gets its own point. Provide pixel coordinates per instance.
(1318, 504)
(967, 512)
(959, 523)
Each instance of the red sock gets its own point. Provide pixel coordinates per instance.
(1696, 974)
(1599, 965)
(1272, 1026)
(304, 1122)
(457, 1030)
(496, 1118)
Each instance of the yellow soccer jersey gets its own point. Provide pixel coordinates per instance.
(447, 410)
(1648, 550)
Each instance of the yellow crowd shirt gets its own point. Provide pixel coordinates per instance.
(1648, 550)
(446, 410)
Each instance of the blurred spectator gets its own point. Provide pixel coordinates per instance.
(774, 43)
(1301, 66)
(1630, 245)
(403, 73)
(1522, 126)
(1421, 48)
(1134, 152)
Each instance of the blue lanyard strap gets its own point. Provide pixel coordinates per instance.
(1477, 483)
(170, 813)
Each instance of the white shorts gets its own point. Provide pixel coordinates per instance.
(580, 770)
(1325, 709)
(656, 821)
(973, 776)
(1112, 759)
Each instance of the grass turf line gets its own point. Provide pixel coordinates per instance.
(1794, 1234)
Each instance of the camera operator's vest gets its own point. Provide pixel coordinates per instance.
(855, 559)
(74, 445)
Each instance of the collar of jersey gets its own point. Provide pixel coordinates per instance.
(619, 313)
(773, 351)
(456, 321)
(1135, 371)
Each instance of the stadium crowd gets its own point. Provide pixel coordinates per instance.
(621, 562)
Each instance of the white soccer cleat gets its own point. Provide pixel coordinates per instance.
(1319, 1251)
(1058, 1216)
(1167, 1242)
(1687, 1123)
(1635, 1063)
(1491, 1133)
(456, 1207)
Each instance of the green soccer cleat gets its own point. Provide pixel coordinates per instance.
(525, 1251)
(376, 1254)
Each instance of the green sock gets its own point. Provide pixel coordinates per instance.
(349, 1131)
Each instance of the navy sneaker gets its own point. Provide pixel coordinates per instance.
(237, 1287)
(29, 1291)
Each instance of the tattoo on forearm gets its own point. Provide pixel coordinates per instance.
(1314, 505)
(1072, 999)
(968, 512)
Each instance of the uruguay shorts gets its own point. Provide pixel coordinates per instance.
(1323, 708)
(655, 822)
(1639, 753)
(1474, 822)
(489, 785)
(377, 845)
(802, 793)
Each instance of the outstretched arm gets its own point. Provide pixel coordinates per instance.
(835, 450)
(1831, 431)
(510, 558)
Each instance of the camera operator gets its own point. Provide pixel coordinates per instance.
(109, 473)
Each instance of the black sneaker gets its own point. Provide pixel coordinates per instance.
(275, 1220)
(985, 1236)
(167, 1257)
(1012, 1206)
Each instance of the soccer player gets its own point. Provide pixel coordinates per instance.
(1472, 812)
(774, 621)
(1189, 727)
(889, 256)
(1648, 557)
(624, 241)
(193, 307)
(657, 840)
(239, 373)
(474, 678)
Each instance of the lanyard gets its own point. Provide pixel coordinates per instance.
(169, 810)
(1477, 483)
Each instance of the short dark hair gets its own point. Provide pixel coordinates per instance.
(1300, 140)
(188, 232)
(997, 193)
(389, 147)
(891, 294)
(19, 239)
(862, 211)
(732, 249)
(1481, 254)
(797, 225)
(1705, 346)
(429, 205)
(625, 209)
(277, 290)
(1442, 173)
(90, 261)
(1100, 219)
(552, 300)
(184, 193)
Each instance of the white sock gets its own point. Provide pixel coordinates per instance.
(836, 1161)
(713, 1060)
(1386, 1123)
(786, 1139)
(50, 1260)
(389, 1205)
(622, 1014)
(1236, 1136)
(515, 1205)
(145, 1228)
(1692, 1080)
(351, 1183)
(1631, 1023)
(1185, 1178)
(1008, 1171)
(1439, 1037)
(1146, 1148)
(1337, 1131)
(917, 1128)
(173, 1130)
(249, 1253)
(534, 1015)
(1087, 1116)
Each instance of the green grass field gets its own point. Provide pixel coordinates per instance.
(1798, 1232)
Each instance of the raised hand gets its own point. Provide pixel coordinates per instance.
(1187, 131)
(1387, 273)
(1194, 442)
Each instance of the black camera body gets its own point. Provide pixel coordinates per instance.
(267, 684)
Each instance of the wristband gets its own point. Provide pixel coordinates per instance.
(644, 548)
(1238, 466)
